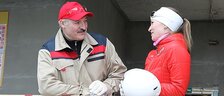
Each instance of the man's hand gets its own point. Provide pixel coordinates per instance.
(98, 88)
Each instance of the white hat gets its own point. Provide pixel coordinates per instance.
(168, 17)
(140, 82)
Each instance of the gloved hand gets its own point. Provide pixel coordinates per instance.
(121, 89)
(98, 88)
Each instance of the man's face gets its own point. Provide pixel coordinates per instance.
(75, 30)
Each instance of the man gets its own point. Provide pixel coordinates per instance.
(75, 62)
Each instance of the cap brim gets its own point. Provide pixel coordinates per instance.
(81, 15)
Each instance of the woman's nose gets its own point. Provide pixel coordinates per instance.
(149, 29)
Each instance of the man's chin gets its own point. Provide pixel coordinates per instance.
(81, 37)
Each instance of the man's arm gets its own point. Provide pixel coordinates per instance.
(115, 67)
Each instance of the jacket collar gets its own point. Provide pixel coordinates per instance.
(171, 38)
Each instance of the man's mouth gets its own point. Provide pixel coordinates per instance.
(81, 31)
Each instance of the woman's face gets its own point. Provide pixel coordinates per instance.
(157, 29)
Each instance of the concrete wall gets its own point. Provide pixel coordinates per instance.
(32, 22)
(207, 60)
(138, 45)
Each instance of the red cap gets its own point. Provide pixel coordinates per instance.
(73, 11)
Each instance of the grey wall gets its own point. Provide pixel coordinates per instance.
(207, 66)
(138, 45)
(32, 22)
(208, 61)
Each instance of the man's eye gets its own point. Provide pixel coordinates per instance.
(76, 22)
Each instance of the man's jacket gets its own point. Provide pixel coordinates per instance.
(61, 71)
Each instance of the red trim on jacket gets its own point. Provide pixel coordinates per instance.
(63, 54)
(98, 49)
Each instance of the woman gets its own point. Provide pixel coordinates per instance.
(170, 61)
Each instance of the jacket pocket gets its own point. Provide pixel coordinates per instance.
(62, 64)
(66, 70)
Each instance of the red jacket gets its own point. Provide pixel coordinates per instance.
(170, 63)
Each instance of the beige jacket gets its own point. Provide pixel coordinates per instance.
(63, 73)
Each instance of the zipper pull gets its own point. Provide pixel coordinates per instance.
(76, 46)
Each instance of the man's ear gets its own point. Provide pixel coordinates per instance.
(61, 23)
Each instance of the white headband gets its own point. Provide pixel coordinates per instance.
(168, 17)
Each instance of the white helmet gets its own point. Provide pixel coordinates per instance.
(139, 82)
